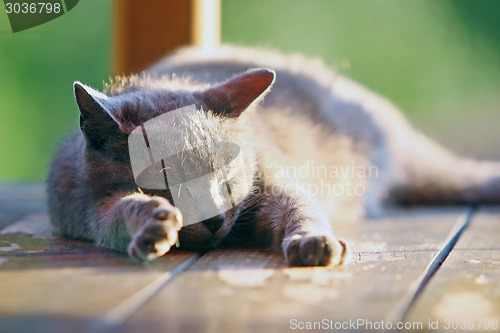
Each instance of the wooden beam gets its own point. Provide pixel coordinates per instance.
(206, 23)
(146, 30)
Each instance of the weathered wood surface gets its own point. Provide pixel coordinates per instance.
(254, 291)
(49, 284)
(465, 294)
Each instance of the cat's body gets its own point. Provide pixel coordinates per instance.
(319, 150)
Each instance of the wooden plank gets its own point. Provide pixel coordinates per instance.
(28, 191)
(146, 30)
(466, 289)
(254, 291)
(59, 285)
(32, 235)
(88, 288)
(17, 200)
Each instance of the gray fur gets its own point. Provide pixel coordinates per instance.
(308, 115)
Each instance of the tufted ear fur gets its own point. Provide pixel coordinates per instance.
(96, 121)
(235, 95)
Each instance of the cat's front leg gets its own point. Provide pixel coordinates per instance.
(146, 226)
(301, 230)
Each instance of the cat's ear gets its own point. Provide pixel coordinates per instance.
(96, 122)
(232, 97)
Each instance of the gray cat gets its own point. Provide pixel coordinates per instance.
(318, 149)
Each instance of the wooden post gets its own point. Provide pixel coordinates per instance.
(206, 24)
(146, 30)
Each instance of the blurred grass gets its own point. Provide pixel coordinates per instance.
(438, 60)
(37, 69)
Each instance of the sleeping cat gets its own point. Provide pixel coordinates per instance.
(317, 148)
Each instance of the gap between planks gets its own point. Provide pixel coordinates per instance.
(117, 315)
(400, 312)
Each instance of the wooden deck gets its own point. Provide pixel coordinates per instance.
(49, 284)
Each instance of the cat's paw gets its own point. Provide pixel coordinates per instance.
(159, 232)
(316, 250)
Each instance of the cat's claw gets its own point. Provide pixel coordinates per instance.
(158, 234)
(316, 250)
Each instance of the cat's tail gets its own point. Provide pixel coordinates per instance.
(433, 175)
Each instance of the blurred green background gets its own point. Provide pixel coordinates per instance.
(437, 60)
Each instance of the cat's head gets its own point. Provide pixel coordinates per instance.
(106, 122)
